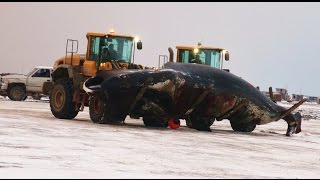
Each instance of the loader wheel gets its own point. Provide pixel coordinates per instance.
(243, 127)
(36, 96)
(17, 93)
(61, 97)
(155, 122)
(188, 123)
(199, 123)
(98, 105)
(96, 108)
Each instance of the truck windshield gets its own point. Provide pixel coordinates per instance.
(32, 71)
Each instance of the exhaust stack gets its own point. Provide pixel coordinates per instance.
(170, 54)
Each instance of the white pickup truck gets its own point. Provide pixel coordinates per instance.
(18, 86)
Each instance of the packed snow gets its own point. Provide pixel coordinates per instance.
(34, 144)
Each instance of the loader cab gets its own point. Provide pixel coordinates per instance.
(213, 57)
(111, 47)
(121, 52)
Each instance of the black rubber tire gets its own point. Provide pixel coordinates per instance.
(96, 109)
(102, 115)
(36, 97)
(243, 127)
(17, 93)
(199, 123)
(188, 123)
(155, 122)
(61, 97)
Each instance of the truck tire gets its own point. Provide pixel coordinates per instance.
(61, 99)
(96, 108)
(17, 93)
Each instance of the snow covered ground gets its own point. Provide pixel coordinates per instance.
(34, 144)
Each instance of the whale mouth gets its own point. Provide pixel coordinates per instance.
(92, 84)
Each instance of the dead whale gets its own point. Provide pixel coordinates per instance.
(197, 93)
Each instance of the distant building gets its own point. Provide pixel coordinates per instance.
(297, 97)
(276, 95)
(266, 93)
(281, 94)
(284, 93)
(312, 99)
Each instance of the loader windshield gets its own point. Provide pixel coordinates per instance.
(118, 49)
(209, 57)
(112, 48)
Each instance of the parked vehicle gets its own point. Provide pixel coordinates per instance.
(18, 86)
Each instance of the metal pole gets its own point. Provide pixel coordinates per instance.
(134, 50)
(71, 52)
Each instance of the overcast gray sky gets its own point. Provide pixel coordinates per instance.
(270, 44)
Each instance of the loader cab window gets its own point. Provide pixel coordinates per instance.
(185, 56)
(119, 48)
(94, 48)
(112, 48)
(212, 57)
(188, 56)
(209, 57)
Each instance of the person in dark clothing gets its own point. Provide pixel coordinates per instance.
(195, 59)
(112, 53)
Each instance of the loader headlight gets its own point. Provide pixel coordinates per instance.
(195, 51)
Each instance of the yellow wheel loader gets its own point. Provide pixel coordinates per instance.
(105, 51)
(211, 56)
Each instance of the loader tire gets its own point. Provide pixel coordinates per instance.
(243, 127)
(188, 123)
(17, 93)
(98, 106)
(61, 99)
(199, 123)
(36, 96)
(96, 109)
(155, 122)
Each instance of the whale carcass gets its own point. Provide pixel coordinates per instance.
(197, 93)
